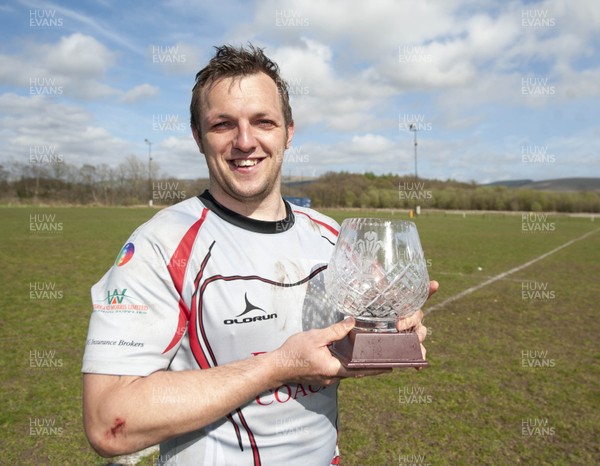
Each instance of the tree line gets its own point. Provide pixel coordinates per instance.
(131, 184)
(393, 191)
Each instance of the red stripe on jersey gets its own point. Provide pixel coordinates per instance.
(177, 267)
(329, 227)
(255, 453)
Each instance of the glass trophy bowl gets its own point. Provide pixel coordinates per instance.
(377, 274)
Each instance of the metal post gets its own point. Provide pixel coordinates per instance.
(414, 129)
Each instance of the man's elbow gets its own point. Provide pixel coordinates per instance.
(107, 442)
(103, 420)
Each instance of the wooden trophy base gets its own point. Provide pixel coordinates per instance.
(378, 350)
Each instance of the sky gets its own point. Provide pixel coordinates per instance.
(495, 90)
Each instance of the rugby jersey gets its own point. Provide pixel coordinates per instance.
(199, 286)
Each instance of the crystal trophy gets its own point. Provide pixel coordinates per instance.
(377, 274)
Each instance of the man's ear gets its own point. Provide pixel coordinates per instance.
(290, 135)
(197, 138)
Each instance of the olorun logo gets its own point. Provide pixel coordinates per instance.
(249, 308)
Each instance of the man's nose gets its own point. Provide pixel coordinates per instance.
(244, 139)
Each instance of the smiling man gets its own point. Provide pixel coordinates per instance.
(210, 333)
(241, 128)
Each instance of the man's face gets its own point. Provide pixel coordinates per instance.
(243, 137)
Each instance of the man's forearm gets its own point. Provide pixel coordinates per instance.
(126, 414)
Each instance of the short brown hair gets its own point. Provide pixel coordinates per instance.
(236, 62)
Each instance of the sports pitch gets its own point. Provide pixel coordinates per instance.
(515, 364)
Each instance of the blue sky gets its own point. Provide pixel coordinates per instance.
(497, 89)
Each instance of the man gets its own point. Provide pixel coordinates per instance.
(207, 334)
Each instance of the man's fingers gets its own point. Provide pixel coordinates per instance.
(433, 287)
(421, 332)
(338, 331)
(415, 319)
(410, 321)
(359, 373)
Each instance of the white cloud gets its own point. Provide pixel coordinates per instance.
(77, 64)
(38, 121)
(86, 21)
(179, 156)
(76, 57)
(352, 71)
(370, 144)
(141, 92)
(175, 59)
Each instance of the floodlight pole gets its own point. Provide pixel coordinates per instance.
(414, 129)
(149, 168)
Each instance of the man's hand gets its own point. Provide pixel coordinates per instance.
(305, 357)
(415, 321)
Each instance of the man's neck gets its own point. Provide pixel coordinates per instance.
(269, 209)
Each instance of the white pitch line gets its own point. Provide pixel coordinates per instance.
(505, 274)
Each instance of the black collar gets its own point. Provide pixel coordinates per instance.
(247, 223)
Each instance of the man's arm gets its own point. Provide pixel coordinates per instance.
(123, 414)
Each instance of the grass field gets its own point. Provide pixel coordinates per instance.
(515, 366)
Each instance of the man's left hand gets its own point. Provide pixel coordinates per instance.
(415, 320)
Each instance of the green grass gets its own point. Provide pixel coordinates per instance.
(475, 397)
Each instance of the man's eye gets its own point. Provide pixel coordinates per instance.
(222, 125)
(266, 123)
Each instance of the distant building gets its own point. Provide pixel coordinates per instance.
(299, 201)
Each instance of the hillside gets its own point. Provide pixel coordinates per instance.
(390, 191)
(559, 184)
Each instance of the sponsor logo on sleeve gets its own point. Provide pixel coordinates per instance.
(120, 301)
(125, 255)
(131, 343)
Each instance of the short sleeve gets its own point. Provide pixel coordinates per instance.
(136, 325)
